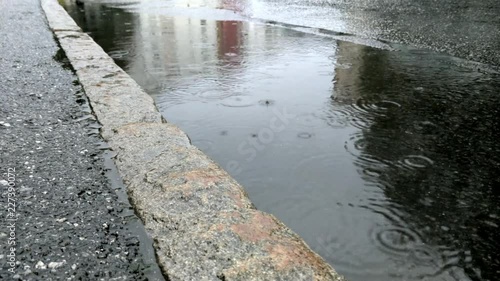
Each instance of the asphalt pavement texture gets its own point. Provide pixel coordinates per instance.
(62, 219)
(469, 29)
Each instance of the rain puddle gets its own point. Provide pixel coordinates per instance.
(385, 162)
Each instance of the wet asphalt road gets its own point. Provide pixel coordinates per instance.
(69, 222)
(468, 29)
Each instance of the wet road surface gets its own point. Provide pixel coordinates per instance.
(467, 29)
(69, 218)
(385, 162)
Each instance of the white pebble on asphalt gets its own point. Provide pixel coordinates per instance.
(40, 265)
(54, 264)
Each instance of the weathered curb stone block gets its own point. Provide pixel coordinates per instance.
(202, 222)
(203, 225)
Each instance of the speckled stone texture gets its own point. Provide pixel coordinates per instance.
(203, 224)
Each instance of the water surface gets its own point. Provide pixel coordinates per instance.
(385, 162)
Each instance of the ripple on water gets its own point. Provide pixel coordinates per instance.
(426, 255)
(238, 101)
(393, 249)
(363, 112)
(118, 54)
(172, 97)
(304, 135)
(343, 255)
(386, 105)
(375, 107)
(342, 249)
(356, 118)
(426, 127)
(395, 240)
(356, 146)
(336, 118)
(372, 172)
(214, 94)
(416, 162)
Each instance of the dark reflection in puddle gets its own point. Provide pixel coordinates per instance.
(385, 162)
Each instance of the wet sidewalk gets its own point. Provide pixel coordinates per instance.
(63, 216)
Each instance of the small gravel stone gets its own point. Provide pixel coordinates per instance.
(40, 265)
(53, 265)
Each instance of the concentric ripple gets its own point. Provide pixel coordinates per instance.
(395, 240)
(118, 54)
(363, 112)
(336, 118)
(426, 255)
(356, 146)
(377, 107)
(214, 94)
(417, 161)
